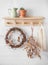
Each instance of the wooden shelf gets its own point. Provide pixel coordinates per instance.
(24, 20)
(33, 17)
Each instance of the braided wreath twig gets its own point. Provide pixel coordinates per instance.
(8, 41)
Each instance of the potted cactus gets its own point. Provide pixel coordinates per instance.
(22, 12)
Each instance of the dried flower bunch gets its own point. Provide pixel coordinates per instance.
(32, 48)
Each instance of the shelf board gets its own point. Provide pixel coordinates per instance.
(24, 20)
(31, 17)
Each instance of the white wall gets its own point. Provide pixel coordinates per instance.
(10, 56)
(34, 8)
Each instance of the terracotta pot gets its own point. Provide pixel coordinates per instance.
(22, 13)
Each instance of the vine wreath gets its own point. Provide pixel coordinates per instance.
(10, 42)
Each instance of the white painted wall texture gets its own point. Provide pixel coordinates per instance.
(34, 8)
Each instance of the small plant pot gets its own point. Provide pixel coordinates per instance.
(22, 13)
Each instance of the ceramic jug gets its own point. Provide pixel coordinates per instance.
(13, 12)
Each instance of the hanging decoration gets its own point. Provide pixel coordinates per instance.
(32, 47)
(15, 37)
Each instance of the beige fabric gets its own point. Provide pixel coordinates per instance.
(42, 38)
(39, 35)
